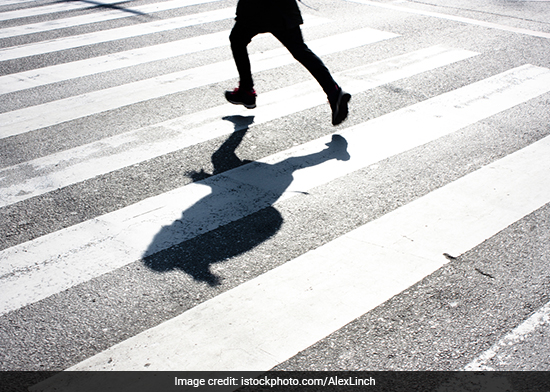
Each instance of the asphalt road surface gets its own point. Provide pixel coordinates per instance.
(147, 224)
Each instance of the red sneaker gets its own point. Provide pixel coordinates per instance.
(242, 97)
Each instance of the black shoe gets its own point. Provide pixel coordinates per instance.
(339, 106)
(242, 97)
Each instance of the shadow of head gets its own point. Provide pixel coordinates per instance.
(195, 256)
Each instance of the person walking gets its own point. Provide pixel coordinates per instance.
(282, 18)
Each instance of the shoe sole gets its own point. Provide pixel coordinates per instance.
(248, 106)
(244, 104)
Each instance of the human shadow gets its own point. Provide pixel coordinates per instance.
(237, 215)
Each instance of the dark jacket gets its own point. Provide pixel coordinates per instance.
(268, 15)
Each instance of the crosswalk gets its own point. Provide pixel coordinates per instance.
(239, 258)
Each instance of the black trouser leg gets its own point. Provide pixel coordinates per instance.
(240, 37)
(293, 40)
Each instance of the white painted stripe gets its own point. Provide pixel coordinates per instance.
(9, 2)
(267, 320)
(49, 9)
(47, 265)
(35, 117)
(66, 71)
(48, 173)
(455, 18)
(80, 20)
(536, 321)
(103, 36)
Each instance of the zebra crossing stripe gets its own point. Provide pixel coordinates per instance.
(271, 318)
(80, 20)
(49, 264)
(48, 9)
(103, 36)
(35, 117)
(66, 71)
(536, 323)
(48, 173)
(455, 18)
(9, 2)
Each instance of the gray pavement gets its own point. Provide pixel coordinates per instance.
(484, 309)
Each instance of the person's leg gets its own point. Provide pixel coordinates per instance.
(245, 95)
(240, 37)
(293, 40)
